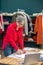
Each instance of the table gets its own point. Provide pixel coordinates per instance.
(15, 59)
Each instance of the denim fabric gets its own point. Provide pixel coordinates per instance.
(9, 50)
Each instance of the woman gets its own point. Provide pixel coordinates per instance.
(13, 37)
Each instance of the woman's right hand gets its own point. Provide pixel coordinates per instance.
(19, 52)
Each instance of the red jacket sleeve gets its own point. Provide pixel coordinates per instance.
(21, 42)
(9, 34)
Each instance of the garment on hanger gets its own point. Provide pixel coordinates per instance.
(38, 29)
(0, 25)
(42, 30)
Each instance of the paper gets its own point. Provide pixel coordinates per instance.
(17, 56)
(41, 53)
(14, 55)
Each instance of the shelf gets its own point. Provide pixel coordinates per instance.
(33, 24)
(32, 32)
(6, 14)
(5, 23)
(30, 39)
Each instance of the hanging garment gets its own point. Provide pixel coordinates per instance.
(38, 29)
(42, 30)
(0, 25)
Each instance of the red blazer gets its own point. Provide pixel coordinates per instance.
(38, 29)
(13, 37)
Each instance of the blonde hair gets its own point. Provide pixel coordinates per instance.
(20, 18)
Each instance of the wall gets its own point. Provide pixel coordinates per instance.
(0, 5)
(30, 6)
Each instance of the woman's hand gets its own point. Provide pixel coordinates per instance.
(23, 51)
(19, 52)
